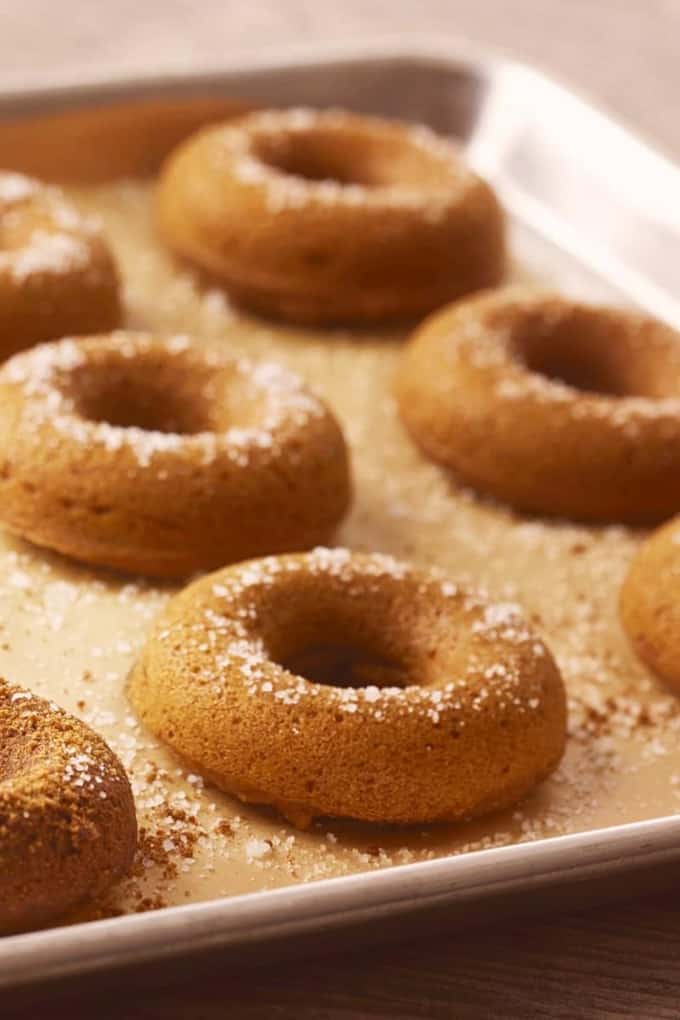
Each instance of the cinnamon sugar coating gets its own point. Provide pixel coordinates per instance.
(438, 705)
(57, 274)
(67, 817)
(162, 457)
(331, 217)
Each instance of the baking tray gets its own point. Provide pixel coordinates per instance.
(572, 180)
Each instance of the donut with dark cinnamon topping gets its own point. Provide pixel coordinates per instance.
(67, 817)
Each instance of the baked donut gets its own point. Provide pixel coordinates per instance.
(554, 406)
(649, 603)
(328, 216)
(162, 457)
(57, 275)
(427, 702)
(67, 818)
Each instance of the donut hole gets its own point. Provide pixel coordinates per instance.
(349, 156)
(568, 367)
(369, 640)
(337, 665)
(597, 353)
(142, 404)
(310, 157)
(369, 629)
(155, 394)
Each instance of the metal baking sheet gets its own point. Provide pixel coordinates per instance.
(595, 211)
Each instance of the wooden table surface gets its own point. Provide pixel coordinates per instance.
(619, 961)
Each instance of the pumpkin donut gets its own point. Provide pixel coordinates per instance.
(67, 818)
(161, 457)
(554, 406)
(428, 703)
(650, 602)
(328, 216)
(57, 275)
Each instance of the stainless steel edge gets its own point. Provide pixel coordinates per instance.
(575, 174)
(519, 128)
(257, 69)
(336, 903)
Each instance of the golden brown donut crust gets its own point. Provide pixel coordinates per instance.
(161, 457)
(329, 216)
(67, 817)
(57, 275)
(551, 405)
(649, 603)
(462, 709)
